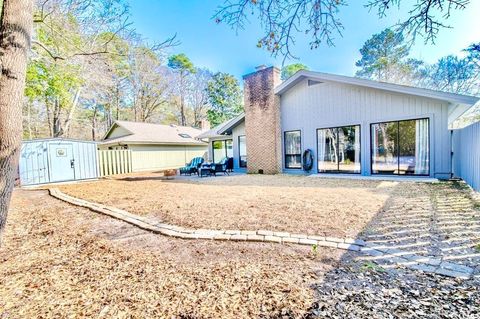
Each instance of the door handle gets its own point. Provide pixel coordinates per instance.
(72, 163)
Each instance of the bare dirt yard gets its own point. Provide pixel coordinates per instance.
(60, 261)
(296, 204)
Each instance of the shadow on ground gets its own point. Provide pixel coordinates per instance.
(439, 220)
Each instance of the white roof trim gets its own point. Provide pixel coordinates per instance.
(220, 129)
(114, 125)
(232, 123)
(319, 76)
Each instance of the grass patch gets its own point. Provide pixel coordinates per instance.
(371, 266)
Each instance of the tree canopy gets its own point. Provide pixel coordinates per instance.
(291, 69)
(383, 56)
(181, 63)
(225, 97)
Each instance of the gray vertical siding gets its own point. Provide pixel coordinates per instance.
(308, 108)
(237, 131)
(466, 154)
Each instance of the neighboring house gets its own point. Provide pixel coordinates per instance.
(155, 146)
(352, 126)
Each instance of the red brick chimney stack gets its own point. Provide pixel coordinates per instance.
(262, 121)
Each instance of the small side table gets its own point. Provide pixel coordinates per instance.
(204, 171)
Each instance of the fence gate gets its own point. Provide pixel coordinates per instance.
(113, 162)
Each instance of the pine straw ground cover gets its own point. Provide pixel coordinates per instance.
(296, 204)
(59, 261)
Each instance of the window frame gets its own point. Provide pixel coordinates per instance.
(285, 149)
(398, 147)
(224, 142)
(338, 171)
(240, 154)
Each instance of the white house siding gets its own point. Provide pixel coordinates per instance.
(153, 157)
(237, 131)
(466, 154)
(323, 105)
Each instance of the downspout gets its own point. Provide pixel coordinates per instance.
(451, 154)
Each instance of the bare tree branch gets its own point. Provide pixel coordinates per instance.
(426, 18)
(283, 20)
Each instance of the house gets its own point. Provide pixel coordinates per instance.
(155, 146)
(350, 125)
(228, 140)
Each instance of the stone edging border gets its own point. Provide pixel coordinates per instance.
(234, 235)
(403, 258)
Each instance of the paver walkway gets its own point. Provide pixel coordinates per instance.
(380, 250)
(439, 223)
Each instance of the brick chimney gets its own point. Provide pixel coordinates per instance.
(262, 121)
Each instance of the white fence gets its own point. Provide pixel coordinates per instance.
(113, 162)
(466, 154)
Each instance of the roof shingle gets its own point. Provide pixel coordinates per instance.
(149, 133)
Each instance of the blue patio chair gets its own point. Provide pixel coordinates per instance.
(192, 167)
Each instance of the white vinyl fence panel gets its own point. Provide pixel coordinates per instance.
(466, 154)
(113, 162)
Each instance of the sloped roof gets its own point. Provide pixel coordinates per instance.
(149, 133)
(459, 103)
(320, 76)
(223, 128)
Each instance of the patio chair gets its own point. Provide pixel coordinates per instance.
(230, 164)
(192, 167)
(221, 167)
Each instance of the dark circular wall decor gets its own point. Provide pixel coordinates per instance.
(307, 160)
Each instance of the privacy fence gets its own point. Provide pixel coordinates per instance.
(466, 154)
(113, 162)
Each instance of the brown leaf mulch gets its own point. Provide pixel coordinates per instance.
(297, 204)
(59, 261)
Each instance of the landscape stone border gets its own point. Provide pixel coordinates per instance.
(396, 256)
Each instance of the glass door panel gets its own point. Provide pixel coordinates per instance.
(385, 148)
(349, 149)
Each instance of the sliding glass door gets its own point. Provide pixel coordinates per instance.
(242, 151)
(401, 147)
(338, 149)
(222, 149)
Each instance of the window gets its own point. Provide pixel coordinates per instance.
(222, 149)
(242, 150)
(293, 149)
(401, 147)
(338, 149)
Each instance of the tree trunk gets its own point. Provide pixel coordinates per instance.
(57, 124)
(69, 119)
(15, 40)
(29, 119)
(117, 102)
(182, 101)
(49, 117)
(94, 123)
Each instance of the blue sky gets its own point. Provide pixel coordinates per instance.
(217, 47)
